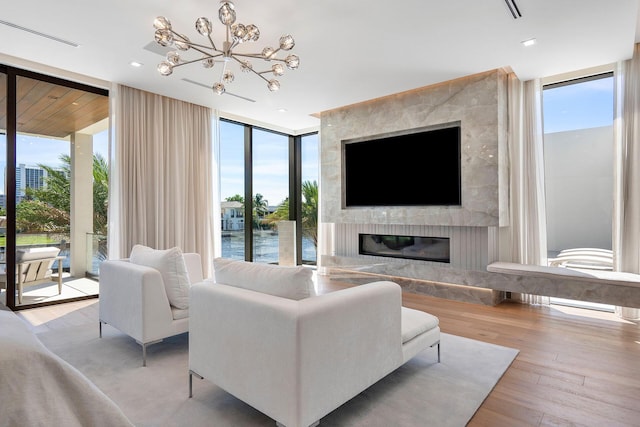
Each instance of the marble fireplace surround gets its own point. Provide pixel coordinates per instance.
(478, 103)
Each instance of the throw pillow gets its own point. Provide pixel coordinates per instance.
(170, 263)
(287, 282)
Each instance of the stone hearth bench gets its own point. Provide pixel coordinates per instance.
(607, 287)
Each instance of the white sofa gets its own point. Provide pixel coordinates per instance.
(296, 360)
(138, 300)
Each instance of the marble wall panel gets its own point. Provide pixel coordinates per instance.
(477, 102)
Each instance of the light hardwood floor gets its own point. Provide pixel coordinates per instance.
(576, 367)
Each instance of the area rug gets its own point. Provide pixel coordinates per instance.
(420, 393)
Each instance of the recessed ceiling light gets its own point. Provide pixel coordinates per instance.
(529, 42)
(282, 110)
(135, 64)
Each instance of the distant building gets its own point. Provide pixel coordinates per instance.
(232, 214)
(26, 177)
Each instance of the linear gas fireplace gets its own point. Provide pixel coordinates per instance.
(409, 247)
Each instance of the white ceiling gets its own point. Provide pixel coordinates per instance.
(350, 51)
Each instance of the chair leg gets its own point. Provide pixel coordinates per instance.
(437, 344)
(19, 283)
(100, 328)
(191, 374)
(59, 277)
(144, 355)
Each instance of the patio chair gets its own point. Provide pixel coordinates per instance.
(33, 267)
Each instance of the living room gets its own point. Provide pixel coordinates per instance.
(439, 90)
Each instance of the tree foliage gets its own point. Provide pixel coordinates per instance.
(36, 216)
(47, 209)
(260, 210)
(309, 212)
(235, 198)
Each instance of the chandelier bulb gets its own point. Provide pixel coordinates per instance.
(292, 62)
(228, 76)
(287, 42)
(208, 62)
(173, 57)
(246, 66)
(253, 33)
(218, 88)
(277, 69)
(239, 33)
(161, 23)
(273, 85)
(268, 52)
(226, 13)
(203, 26)
(165, 68)
(182, 42)
(163, 37)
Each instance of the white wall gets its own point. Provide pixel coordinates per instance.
(579, 188)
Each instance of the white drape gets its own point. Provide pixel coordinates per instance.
(626, 221)
(527, 231)
(163, 167)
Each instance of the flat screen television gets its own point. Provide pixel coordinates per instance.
(417, 168)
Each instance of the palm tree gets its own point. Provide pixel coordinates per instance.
(47, 209)
(260, 209)
(309, 212)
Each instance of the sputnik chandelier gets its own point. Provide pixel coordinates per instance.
(236, 34)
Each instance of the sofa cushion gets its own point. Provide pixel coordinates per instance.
(288, 282)
(416, 322)
(170, 263)
(31, 254)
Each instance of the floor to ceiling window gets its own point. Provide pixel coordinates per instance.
(261, 183)
(578, 158)
(54, 189)
(270, 172)
(232, 189)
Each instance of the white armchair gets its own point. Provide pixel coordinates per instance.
(134, 299)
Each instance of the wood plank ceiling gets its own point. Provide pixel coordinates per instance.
(50, 110)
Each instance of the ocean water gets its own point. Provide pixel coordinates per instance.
(265, 247)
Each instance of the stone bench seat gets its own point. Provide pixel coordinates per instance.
(607, 287)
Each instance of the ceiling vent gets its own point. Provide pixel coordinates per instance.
(38, 33)
(513, 8)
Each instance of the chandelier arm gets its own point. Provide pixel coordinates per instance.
(213, 45)
(205, 50)
(208, 54)
(188, 62)
(251, 55)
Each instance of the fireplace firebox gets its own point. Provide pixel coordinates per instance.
(408, 247)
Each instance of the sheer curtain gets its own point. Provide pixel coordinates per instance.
(163, 169)
(527, 232)
(626, 219)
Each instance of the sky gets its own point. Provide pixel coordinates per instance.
(270, 162)
(579, 106)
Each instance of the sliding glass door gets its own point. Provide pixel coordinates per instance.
(55, 189)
